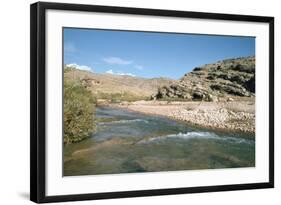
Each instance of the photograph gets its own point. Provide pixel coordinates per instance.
(139, 101)
(142, 101)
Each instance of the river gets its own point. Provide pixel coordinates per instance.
(127, 142)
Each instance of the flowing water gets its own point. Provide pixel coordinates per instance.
(127, 142)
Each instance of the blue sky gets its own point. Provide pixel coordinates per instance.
(147, 54)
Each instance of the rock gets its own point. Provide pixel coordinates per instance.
(154, 96)
(187, 96)
(197, 69)
(250, 84)
(197, 95)
(231, 77)
(212, 98)
(230, 99)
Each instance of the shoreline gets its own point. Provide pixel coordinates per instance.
(225, 116)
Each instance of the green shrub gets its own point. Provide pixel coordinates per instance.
(79, 111)
(118, 97)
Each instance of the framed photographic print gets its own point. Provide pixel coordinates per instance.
(129, 102)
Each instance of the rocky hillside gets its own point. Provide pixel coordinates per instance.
(118, 87)
(223, 79)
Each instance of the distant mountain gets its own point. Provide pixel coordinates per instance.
(226, 78)
(121, 87)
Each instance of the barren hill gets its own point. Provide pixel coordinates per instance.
(226, 78)
(122, 87)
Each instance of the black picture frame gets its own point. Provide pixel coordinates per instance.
(38, 101)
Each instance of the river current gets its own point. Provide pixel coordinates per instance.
(128, 142)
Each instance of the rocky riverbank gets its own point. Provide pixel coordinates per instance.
(231, 115)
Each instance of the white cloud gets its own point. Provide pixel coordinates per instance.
(116, 61)
(69, 47)
(109, 71)
(80, 67)
(119, 73)
(139, 67)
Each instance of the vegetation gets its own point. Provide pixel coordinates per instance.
(119, 97)
(68, 69)
(79, 110)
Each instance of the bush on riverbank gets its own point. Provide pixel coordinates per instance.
(119, 97)
(79, 110)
